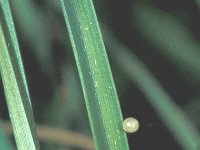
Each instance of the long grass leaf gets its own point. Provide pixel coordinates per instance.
(169, 112)
(15, 86)
(35, 29)
(67, 108)
(67, 104)
(172, 39)
(95, 75)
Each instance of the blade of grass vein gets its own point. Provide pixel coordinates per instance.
(4, 141)
(174, 118)
(171, 38)
(95, 75)
(13, 76)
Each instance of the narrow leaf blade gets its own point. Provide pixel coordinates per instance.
(95, 74)
(15, 86)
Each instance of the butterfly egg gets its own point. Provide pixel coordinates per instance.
(131, 125)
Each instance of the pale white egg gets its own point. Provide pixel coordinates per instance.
(131, 125)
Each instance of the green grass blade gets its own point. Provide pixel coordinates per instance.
(68, 108)
(171, 38)
(32, 22)
(172, 115)
(15, 86)
(75, 100)
(95, 74)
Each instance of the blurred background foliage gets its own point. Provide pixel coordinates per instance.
(162, 35)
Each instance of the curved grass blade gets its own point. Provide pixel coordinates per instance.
(15, 86)
(172, 39)
(95, 75)
(172, 115)
(33, 24)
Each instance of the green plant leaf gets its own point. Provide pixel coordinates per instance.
(32, 22)
(170, 37)
(95, 75)
(171, 114)
(14, 82)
